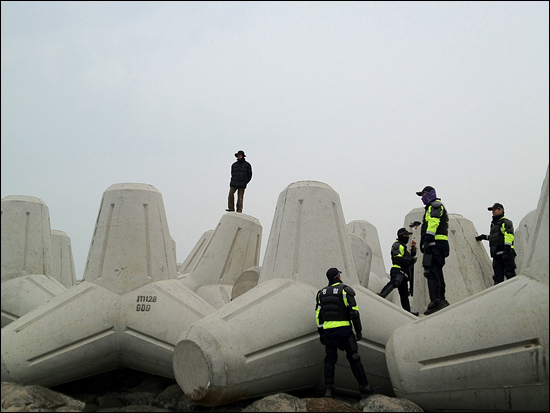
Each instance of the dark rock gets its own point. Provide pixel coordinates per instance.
(324, 404)
(19, 398)
(381, 403)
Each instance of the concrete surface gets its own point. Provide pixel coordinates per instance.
(536, 263)
(362, 255)
(246, 281)
(368, 232)
(265, 341)
(522, 236)
(62, 254)
(127, 312)
(27, 266)
(488, 352)
(233, 248)
(192, 260)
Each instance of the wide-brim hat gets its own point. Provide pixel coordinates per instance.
(240, 153)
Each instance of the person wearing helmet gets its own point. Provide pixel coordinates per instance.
(336, 310)
(501, 244)
(434, 244)
(241, 174)
(400, 272)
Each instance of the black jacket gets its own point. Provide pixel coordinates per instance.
(241, 174)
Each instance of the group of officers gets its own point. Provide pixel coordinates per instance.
(337, 313)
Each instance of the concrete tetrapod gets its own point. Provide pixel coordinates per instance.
(368, 232)
(487, 352)
(233, 248)
(63, 258)
(28, 276)
(265, 341)
(362, 255)
(468, 269)
(192, 260)
(128, 311)
(522, 237)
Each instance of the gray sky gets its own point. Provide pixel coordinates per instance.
(375, 99)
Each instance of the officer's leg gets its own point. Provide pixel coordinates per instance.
(354, 359)
(395, 279)
(430, 272)
(439, 263)
(510, 266)
(498, 270)
(404, 295)
(331, 357)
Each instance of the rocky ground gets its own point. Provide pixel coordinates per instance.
(127, 390)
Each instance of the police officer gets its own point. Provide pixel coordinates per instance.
(434, 243)
(336, 310)
(400, 272)
(501, 244)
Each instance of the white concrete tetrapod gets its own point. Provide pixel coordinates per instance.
(362, 256)
(522, 237)
(246, 281)
(232, 249)
(467, 270)
(62, 254)
(265, 341)
(128, 311)
(536, 263)
(488, 352)
(28, 276)
(368, 232)
(192, 260)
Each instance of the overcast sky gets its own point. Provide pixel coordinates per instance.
(375, 99)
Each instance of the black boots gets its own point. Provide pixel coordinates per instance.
(367, 390)
(329, 392)
(436, 303)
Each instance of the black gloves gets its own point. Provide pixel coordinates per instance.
(481, 237)
(415, 224)
(321, 332)
(358, 336)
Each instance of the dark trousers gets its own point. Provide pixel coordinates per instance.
(503, 268)
(342, 338)
(399, 280)
(231, 199)
(433, 264)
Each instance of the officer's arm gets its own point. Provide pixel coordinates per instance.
(318, 316)
(508, 231)
(353, 308)
(434, 218)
